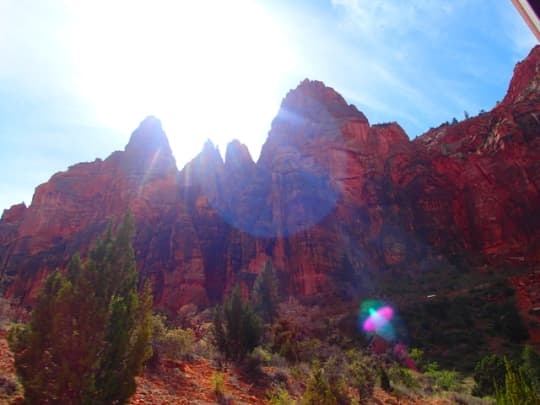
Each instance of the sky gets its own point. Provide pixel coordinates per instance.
(76, 77)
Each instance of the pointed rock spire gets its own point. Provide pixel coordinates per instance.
(237, 157)
(148, 149)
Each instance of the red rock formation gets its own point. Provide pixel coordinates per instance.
(330, 201)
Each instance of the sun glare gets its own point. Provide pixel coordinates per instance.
(207, 69)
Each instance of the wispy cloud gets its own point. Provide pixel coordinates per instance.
(429, 61)
(516, 31)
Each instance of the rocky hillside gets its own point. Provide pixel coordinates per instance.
(331, 201)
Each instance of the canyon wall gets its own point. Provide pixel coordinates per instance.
(331, 201)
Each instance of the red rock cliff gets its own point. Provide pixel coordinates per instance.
(331, 200)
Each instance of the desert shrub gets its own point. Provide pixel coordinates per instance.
(404, 376)
(295, 346)
(318, 390)
(218, 385)
(285, 339)
(300, 371)
(336, 373)
(262, 354)
(312, 348)
(253, 362)
(445, 380)
(237, 329)
(517, 389)
(363, 374)
(417, 355)
(488, 374)
(280, 396)
(176, 343)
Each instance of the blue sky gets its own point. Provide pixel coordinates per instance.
(76, 78)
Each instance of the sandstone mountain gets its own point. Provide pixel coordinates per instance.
(331, 201)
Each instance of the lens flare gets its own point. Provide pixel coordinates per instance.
(376, 319)
(385, 330)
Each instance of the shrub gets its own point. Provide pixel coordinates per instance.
(404, 376)
(318, 390)
(280, 396)
(285, 340)
(488, 374)
(363, 374)
(336, 373)
(445, 380)
(417, 355)
(176, 343)
(218, 383)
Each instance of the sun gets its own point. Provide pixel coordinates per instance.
(208, 69)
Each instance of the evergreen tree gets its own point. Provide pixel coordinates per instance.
(89, 332)
(517, 390)
(489, 373)
(265, 294)
(531, 366)
(237, 329)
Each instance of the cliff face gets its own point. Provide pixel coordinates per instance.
(331, 200)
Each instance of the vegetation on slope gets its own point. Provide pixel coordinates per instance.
(260, 348)
(89, 333)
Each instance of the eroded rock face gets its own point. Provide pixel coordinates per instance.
(331, 200)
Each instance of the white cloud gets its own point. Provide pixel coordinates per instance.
(427, 60)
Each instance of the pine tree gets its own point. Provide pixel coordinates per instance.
(90, 330)
(237, 329)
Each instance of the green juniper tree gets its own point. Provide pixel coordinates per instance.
(237, 329)
(89, 332)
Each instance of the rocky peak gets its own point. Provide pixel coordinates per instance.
(525, 83)
(314, 100)
(237, 157)
(148, 138)
(15, 213)
(210, 157)
(204, 169)
(148, 149)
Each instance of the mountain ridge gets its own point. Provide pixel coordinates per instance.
(331, 201)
